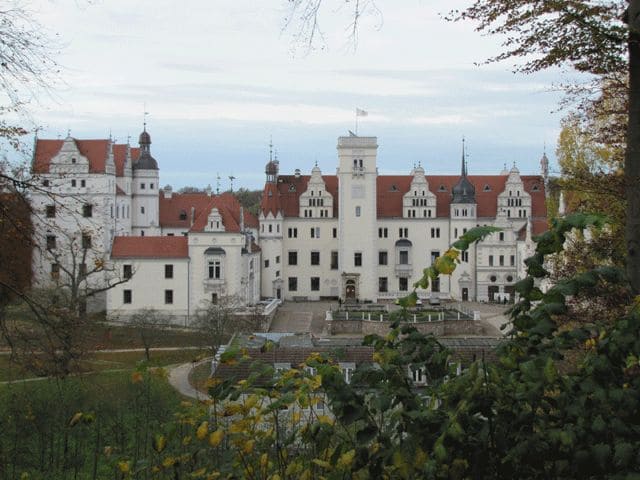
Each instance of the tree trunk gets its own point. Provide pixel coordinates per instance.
(632, 156)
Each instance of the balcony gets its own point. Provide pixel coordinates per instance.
(404, 269)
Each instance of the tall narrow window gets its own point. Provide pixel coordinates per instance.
(315, 258)
(315, 284)
(127, 296)
(51, 242)
(168, 271)
(51, 211)
(86, 240)
(357, 259)
(168, 297)
(127, 271)
(334, 260)
(87, 210)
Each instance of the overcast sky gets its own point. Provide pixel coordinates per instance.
(220, 77)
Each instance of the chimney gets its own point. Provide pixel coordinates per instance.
(241, 219)
(297, 173)
(168, 191)
(193, 215)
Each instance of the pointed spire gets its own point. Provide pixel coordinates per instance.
(464, 162)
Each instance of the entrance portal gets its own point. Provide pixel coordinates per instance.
(493, 290)
(350, 290)
(465, 294)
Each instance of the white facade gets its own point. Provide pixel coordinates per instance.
(373, 242)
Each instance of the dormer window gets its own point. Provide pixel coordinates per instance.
(536, 187)
(486, 188)
(394, 188)
(73, 160)
(292, 187)
(442, 188)
(183, 215)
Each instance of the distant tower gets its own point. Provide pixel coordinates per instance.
(146, 176)
(544, 170)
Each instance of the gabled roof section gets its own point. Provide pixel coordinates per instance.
(150, 247)
(190, 211)
(287, 191)
(96, 152)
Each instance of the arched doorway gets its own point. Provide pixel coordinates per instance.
(350, 289)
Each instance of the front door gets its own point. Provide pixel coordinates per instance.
(465, 294)
(493, 291)
(351, 291)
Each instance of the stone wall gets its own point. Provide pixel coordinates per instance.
(439, 328)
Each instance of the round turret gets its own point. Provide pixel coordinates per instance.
(145, 161)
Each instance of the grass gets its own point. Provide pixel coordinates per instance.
(105, 361)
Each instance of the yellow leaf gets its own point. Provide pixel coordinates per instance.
(322, 463)
(124, 466)
(248, 446)
(168, 462)
(346, 459)
(75, 419)
(202, 430)
(216, 437)
(199, 473)
(159, 442)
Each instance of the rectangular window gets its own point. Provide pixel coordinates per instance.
(45, 183)
(315, 284)
(168, 297)
(383, 284)
(51, 211)
(512, 260)
(383, 257)
(142, 186)
(358, 211)
(465, 256)
(435, 285)
(403, 232)
(127, 271)
(127, 296)
(55, 271)
(357, 259)
(501, 260)
(83, 183)
(214, 298)
(293, 258)
(141, 209)
(383, 232)
(315, 258)
(86, 240)
(404, 257)
(266, 264)
(278, 259)
(501, 236)
(491, 260)
(335, 232)
(434, 256)
(73, 183)
(293, 233)
(334, 260)
(293, 284)
(51, 242)
(168, 271)
(435, 233)
(151, 186)
(214, 269)
(315, 232)
(403, 284)
(87, 210)
(83, 269)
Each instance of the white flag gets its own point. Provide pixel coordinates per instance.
(361, 113)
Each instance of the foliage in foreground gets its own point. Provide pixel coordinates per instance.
(559, 402)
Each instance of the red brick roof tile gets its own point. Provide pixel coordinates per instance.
(150, 247)
(392, 188)
(95, 151)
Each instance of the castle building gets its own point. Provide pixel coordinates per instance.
(360, 236)
(101, 219)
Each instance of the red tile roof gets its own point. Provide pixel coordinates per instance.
(95, 151)
(119, 155)
(150, 247)
(199, 206)
(391, 189)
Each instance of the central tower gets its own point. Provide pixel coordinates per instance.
(357, 176)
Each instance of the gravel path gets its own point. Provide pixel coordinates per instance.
(179, 379)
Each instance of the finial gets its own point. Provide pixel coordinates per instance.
(544, 147)
(420, 163)
(231, 178)
(464, 165)
(275, 155)
(316, 162)
(68, 132)
(128, 139)
(144, 117)
(218, 183)
(271, 148)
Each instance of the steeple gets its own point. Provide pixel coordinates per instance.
(463, 191)
(145, 161)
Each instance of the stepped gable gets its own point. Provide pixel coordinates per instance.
(150, 247)
(119, 157)
(288, 190)
(229, 209)
(96, 152)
